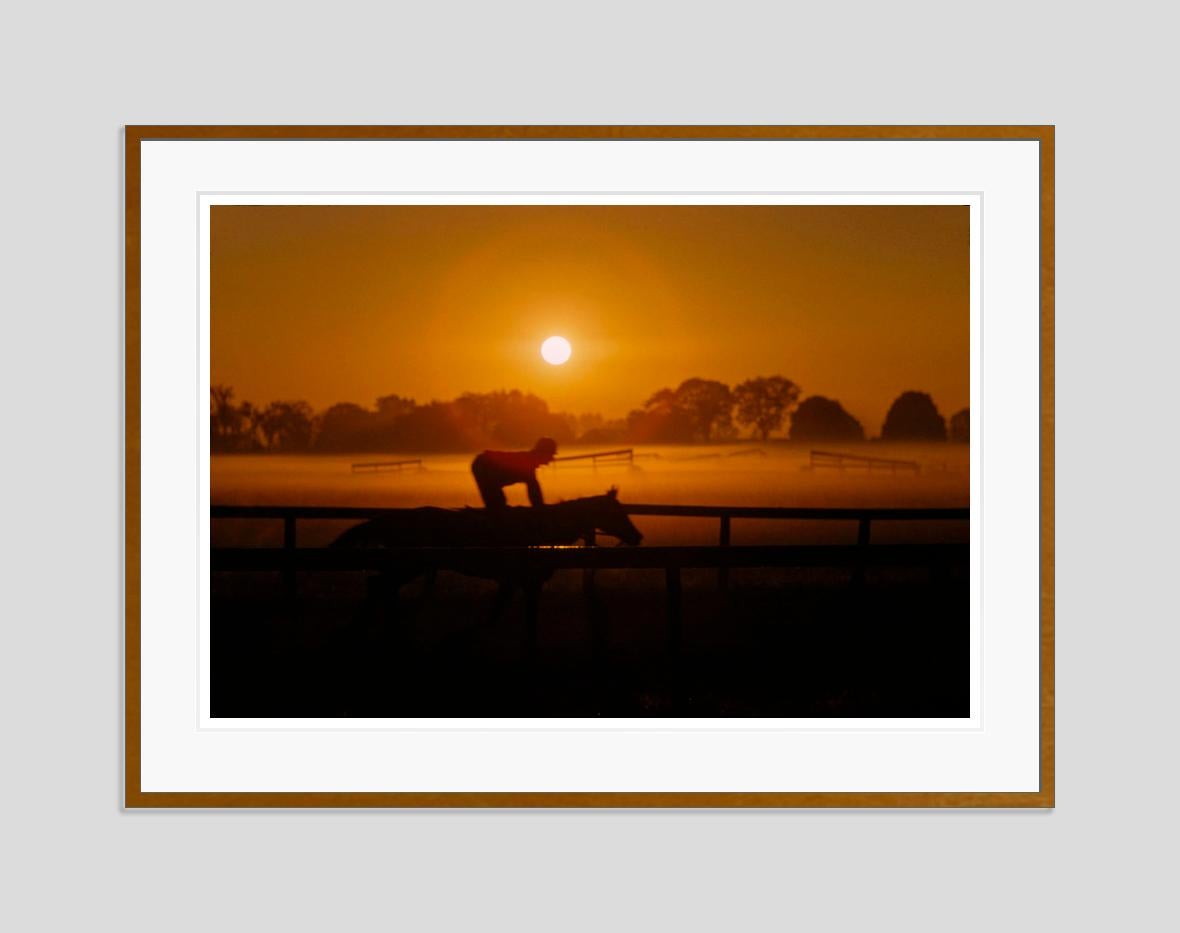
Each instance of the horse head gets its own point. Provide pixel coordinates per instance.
(612, 519)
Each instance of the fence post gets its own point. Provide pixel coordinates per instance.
(672, 576)
(532, 597)
(289, 555)
(723, 572)
(862, 544)
(588, 572)
(595, 614)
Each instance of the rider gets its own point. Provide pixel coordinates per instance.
(495, 469)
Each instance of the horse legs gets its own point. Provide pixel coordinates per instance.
(531, 587)
(532, 597)
(503, 598)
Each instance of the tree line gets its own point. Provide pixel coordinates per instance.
(696, 411)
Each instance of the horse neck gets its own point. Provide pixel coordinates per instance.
(575, 518)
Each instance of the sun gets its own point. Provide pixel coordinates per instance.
(556, 350)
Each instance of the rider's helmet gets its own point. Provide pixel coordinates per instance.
(546, 449)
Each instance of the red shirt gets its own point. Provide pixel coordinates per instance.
(506, 467)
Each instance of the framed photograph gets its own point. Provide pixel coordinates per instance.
(589, 466)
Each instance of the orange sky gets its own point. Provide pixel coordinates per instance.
(334, 304)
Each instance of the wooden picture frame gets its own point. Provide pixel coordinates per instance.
(137, 795)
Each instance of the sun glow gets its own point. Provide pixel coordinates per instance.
(556, 350)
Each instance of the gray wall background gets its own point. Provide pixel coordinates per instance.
(73, 74)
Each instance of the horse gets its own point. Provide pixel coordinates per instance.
(563, 523)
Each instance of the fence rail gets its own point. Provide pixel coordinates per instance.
(290, 560)
(717, 556)
(520, 559)
(383, 466)
(359, 512)
(623, 455)
(725, 514)
(841, 461)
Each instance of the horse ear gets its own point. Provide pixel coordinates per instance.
(613, 492)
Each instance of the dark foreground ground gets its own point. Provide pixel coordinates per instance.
(777, 643)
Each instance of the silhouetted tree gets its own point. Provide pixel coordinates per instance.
(662, 402)
(231, 427)
(824, 419)
(727, 431)
(709, 403)
(697, 409)
(520, 418)
(913, 417)
(608, 432)
(960, 426)
(656, 426)
(287, 425)
(392, 407)
(225, 419)
(510, 418)
(475, 411)
(763, 403)
(587, 422)
(437, 426)
(348, 427)
(251, 423)
(662, 420)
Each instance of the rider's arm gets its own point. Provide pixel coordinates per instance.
(534, 489)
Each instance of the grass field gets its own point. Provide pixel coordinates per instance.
(778, 642)
(782, 643)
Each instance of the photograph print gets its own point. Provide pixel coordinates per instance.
(589, 461)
